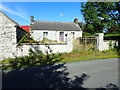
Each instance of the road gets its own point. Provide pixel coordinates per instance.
(99, 73)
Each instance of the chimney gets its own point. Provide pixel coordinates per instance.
(32, 19)
(76, 20)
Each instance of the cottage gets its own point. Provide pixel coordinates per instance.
(10, 34)
(54, 30)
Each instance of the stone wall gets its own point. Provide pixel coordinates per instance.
(7, 37)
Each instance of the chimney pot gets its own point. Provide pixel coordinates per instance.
(76, 20)
(32, 18)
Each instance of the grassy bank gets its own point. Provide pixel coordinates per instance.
(83, 56)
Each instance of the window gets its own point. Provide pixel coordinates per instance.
(73, 33)
(45, 34)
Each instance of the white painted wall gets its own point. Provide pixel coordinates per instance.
(38, 35)
(24, 49)
(53, 35)
(78, 34)
(104, 45)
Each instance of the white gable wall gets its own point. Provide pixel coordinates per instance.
(7, 37)
(78, 34)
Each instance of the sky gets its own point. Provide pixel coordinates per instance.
(42, 11)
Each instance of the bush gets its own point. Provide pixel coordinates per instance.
(34, 58)
(85, 34)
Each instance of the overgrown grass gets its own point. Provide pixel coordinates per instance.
(88, 52)
(31, 40)
(46, 40)
(88, 55)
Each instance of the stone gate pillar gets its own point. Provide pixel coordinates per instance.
(69, 42)
(100, 38)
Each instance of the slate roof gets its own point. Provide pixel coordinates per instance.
(55, 26)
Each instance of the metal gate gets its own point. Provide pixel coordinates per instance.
(88, 42)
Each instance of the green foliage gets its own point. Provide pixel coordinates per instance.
(89, 55)
(82, 25)
(34, 58)
(27, 39)
(101, 15)
(109, 35)
(110, 50)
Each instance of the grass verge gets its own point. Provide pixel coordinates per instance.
(89, 57)
(82, 56)
(66, 57)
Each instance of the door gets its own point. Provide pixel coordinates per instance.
(61, 36)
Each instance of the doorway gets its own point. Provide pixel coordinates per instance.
(61, 36)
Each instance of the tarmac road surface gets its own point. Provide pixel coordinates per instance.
(101, 72)
(98, 73)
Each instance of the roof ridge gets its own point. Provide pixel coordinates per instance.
(53, 21)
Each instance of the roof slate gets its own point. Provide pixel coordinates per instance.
(55, 26)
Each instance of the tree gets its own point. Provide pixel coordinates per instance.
(82, 25)
(100, 15)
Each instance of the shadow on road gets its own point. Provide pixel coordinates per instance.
(46, 76)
